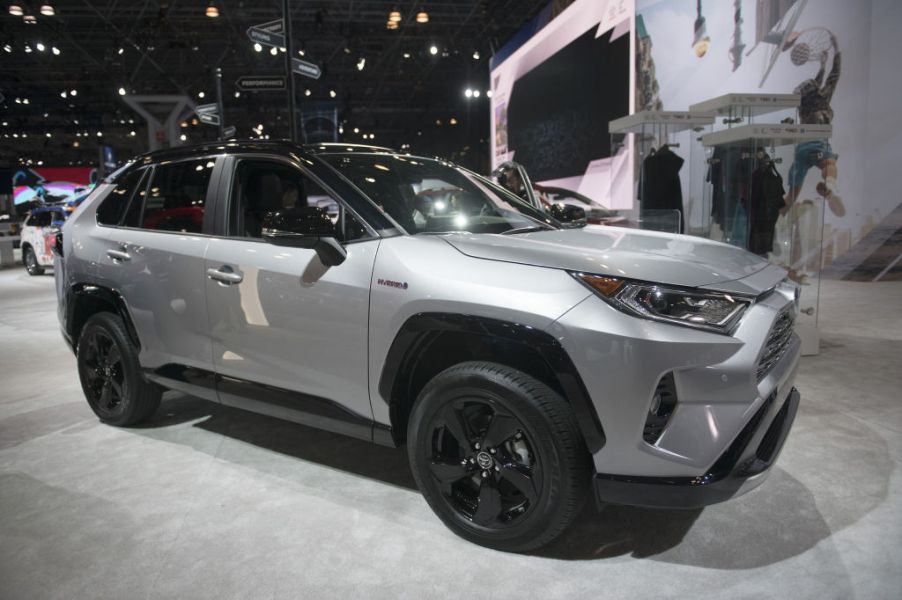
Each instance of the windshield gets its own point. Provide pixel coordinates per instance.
(431, 196)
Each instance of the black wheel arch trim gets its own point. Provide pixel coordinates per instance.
(79, 292)
(422, 329)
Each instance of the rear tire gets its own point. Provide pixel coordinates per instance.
(498, 456)
(110, 373)
(30, 260)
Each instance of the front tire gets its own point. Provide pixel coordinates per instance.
(30, 260)
(498, 456)
(110, 374)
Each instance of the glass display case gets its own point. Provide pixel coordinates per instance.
(754, 179)
(668, 160)
(733, 110)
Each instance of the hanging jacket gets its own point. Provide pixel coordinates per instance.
(766, 199)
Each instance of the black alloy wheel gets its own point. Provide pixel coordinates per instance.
(31, 262)
(484, 462)
(110, 374)
(101, 369)
(498, 456)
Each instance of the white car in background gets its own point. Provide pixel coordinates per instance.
(39, 235)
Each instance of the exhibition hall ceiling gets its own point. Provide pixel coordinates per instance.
(389, 75)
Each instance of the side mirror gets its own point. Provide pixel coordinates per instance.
(305, 227)
(568, 214)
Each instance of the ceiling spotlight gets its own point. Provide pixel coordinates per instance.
(183, 124)
(30, 19)
(40, 46)
(394, 16)
(433, 49)
(468, 93)
(7, 47)
(26, 101)
(73, 92)
(212, 11)
(476, 93)
(16, 10)
(183, 137)
(47, 10)
(332, 93)
(407, 55)
(55, 50)
(122, 91)
(476, 55)
(27, 49)
(452, 121)
(99, 134)
(307, 92)
(341, 129)
(273, 50)
(282, 49)
(258, 47)
(301, 52)
(48, 134)
(121, 50)
(237, 94)
(356, 130)
(132, 133)
(75, 144)
(361, 63)
(391, 25)
(488, 93)
(422, 17)
(200, 94)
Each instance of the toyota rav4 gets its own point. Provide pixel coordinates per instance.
(525, 364)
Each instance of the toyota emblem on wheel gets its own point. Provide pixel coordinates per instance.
(484, 460)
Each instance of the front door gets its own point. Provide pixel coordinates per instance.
(289, 334)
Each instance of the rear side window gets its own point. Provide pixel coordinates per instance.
(113, 206)
(41, 219)
(176, 197)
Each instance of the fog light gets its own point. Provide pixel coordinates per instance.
(662, 405)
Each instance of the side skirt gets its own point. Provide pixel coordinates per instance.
(288, 405)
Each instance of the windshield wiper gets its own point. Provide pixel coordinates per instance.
(529, 229)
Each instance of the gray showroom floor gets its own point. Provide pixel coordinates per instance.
(209, 502)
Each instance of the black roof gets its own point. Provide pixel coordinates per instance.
(269, 146)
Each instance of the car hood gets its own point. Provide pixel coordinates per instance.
(679, 260)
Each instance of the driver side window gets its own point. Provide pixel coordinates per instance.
(263, 186)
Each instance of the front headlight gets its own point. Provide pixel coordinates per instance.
(712, 311)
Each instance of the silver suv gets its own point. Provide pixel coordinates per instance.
(523, 362)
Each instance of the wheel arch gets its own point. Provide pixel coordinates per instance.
(429, 343)
(85, 300)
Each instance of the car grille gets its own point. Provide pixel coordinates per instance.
(777, 343)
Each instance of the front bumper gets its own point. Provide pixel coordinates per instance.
(744, 465)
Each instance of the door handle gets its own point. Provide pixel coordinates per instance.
(227, 277)
(118, 255)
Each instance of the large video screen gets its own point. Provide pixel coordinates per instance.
(552, 99)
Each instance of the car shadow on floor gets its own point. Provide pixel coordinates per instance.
(770, 527)
(596, 534)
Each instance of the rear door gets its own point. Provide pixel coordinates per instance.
(154, 257)
(289, 334)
